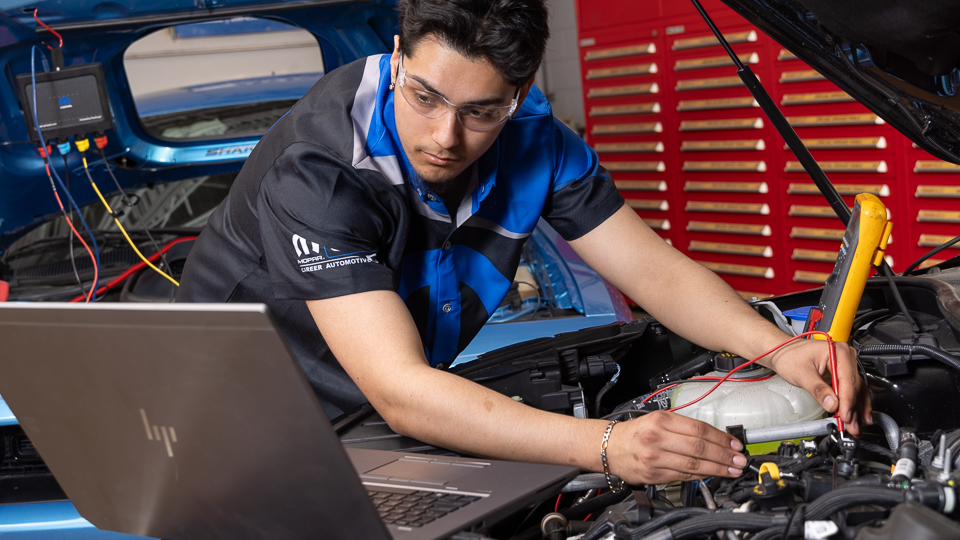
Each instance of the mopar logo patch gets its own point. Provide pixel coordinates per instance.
(311, 256)
(65, 103)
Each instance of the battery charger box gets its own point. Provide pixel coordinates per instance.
(71, 101)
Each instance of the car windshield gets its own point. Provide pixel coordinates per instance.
(229, 78)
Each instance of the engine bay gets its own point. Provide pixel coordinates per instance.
(804, 478)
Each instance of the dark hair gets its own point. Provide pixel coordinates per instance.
(510, 34)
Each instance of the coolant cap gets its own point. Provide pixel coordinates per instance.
(727, 362)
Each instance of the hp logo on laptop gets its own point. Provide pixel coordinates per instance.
(157, 433)
(65, 103)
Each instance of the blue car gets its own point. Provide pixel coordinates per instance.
(168, 160)
(171, 154)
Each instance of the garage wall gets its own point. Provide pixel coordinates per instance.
(162, 61)
(559, 76)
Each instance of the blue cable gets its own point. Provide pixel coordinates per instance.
(616, 375)
(53, 170)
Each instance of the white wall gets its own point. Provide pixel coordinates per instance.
(161, 61)
(559, 76)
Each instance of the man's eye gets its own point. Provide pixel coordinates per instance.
(481, 113)
(425, 99)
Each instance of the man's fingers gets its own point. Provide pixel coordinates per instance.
(811, 381)
(688, 447)
(701, 450)
(681, 425)
(687, 467)
(849, 381)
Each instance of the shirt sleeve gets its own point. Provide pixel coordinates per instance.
(583, 195)
(323, 225)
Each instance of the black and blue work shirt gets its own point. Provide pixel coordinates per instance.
(327, 205)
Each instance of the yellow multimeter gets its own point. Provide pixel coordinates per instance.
(862, 248)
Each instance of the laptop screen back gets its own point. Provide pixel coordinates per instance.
(179, 422)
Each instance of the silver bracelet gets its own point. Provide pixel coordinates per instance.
(619, 488)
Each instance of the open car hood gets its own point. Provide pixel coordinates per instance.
(896, 57)
(101, 31)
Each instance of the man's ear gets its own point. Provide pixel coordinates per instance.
(524, 90)
(395, 61)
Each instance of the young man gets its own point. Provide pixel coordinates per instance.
(382, 221)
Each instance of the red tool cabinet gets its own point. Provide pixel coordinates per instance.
(696, 157)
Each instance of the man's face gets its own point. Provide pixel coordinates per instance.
(441, 148)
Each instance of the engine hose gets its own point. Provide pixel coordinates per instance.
(712, 523)
(845, 497)
(584, 482)
(599, 502)
(877, 449)
(741, 496)
(907, 454)
(936, 354)
(578, 527)
(770, 534)
(665, 520)
(821, 508)
(866, 481)
(807, 463)
(890, 429)
(835, 501)
(888, 273)
(868, 318)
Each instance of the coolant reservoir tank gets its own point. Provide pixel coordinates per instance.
(754, 404)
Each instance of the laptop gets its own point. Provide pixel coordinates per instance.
(193, 421)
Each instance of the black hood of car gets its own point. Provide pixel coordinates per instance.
(897, 57)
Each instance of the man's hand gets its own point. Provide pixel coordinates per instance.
(663, 447)
(806, 363)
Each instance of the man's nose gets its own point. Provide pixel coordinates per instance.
(446, 130)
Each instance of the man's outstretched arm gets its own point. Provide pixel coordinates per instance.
(376, 341)
(695, 303)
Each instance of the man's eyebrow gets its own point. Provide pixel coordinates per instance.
(485, 101)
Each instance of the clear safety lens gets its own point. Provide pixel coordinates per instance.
(432, 105)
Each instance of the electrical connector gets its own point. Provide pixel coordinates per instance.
(83, 145)
(64, 147)
(100, 140)
(45, 151)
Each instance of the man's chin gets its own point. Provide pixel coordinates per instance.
(433, 176)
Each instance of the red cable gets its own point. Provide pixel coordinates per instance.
(45, 152)
(556, 507)
(674, 385)
(96, 270)
(54, 32)
(137, 267)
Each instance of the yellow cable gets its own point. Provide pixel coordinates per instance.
(110, 210)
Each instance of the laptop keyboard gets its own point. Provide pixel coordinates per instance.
(410, 508)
